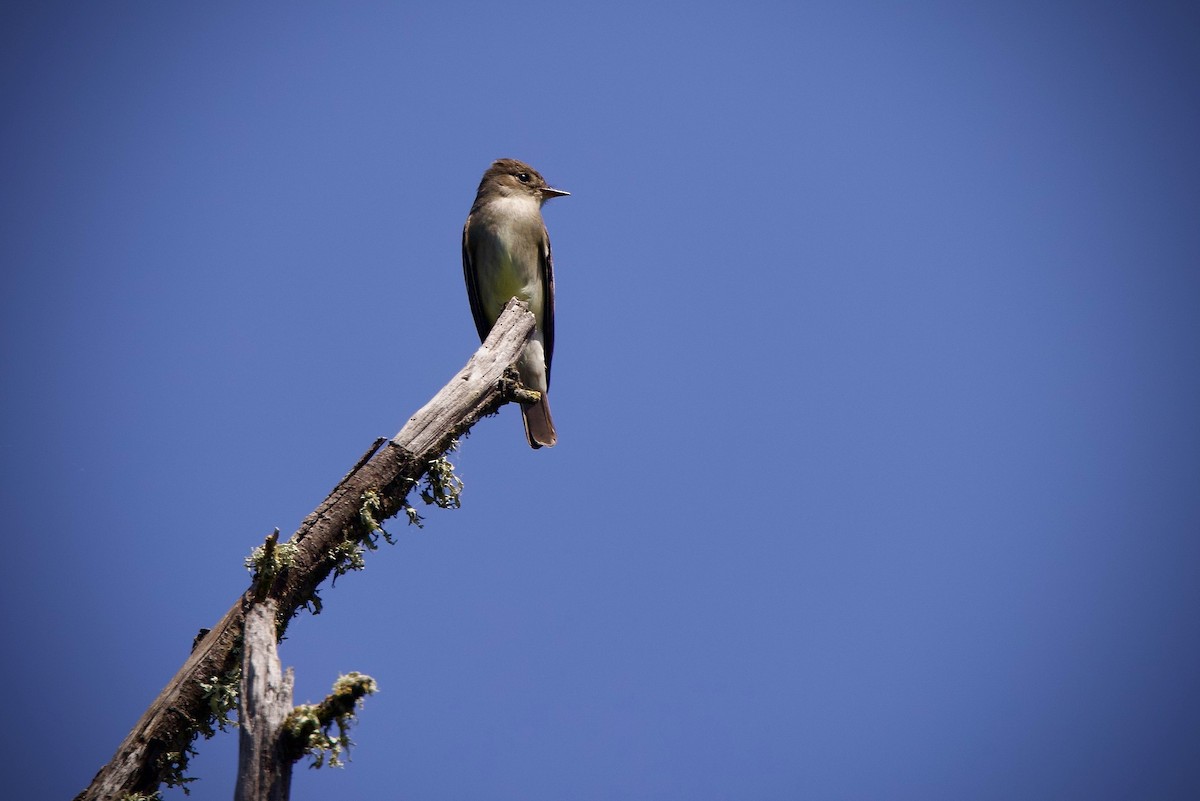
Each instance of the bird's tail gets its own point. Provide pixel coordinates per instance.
(539, 428)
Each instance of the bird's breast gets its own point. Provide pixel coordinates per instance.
(506, 244)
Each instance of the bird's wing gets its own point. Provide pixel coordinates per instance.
(546, 267)
(482, 324)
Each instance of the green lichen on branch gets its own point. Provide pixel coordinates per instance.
(172, 768)
(348, 554)
(221, 696)
(308, 730)
(442, 487)
(270, 559)
(369, 513)
(414, 517)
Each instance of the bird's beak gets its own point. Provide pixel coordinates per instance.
(549, 192)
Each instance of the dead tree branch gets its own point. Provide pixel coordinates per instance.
(265, 701)
(156, 750)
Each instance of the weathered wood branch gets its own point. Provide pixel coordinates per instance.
(308, 728)
(155, 751)
(265, 701)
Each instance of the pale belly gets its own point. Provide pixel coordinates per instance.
(509, 279)
(507, 266)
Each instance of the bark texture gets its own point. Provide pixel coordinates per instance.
(150, 753)
(265, 701)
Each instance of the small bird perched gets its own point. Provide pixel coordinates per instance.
(506, 254)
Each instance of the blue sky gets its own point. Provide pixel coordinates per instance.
(876, 383)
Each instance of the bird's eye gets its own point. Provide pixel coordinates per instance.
(523, 177)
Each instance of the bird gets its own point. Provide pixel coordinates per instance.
(506, 254)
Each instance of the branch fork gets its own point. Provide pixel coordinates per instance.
(155, 751)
